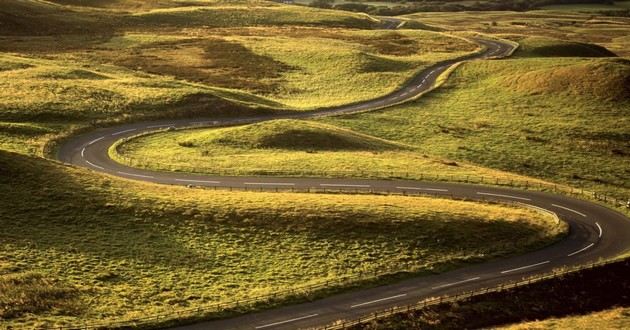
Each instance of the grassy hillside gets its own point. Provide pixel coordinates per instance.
(547, 47)
(564, 120)
(78, 246)
(39, 17)
(34, 18)
(559, 119)
(291, 147)
(64, 67)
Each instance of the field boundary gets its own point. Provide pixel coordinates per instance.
(524, 183)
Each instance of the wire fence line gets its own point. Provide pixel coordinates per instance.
(227, 308)
(501, 181)
(459, 297)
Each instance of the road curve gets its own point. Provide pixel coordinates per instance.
(595, 231)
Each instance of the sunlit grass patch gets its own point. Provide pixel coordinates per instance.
(295, 148)
(559, 119)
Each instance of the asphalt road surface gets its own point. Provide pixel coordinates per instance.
(595, 231)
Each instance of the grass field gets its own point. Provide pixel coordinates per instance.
(66, 68)
(291, 147)
(78, 246)
(562, 119)
(556, 118)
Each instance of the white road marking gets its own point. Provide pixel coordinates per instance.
(125, 131)
(269, 183)
(137, 175)
(344, 185)
(83, 153)
(378, 300)
(455, 283)
(417, 188)
(581, 250)
(506, 196)
(196, 181)
(568, 209)
(94, 141)
(287, 321)
(158, 126)
(525, 267)
(99, 167)
(601, 232)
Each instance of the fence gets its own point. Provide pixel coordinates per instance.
(313, 291)
(462, 296)
(278, 297)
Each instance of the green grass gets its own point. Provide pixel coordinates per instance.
(120, 249)
(615, 318)
(101, 66)
(558, 119)
(291, 147)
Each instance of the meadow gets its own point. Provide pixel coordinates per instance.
(293, 148)
(98, 66)
(79, 246)
(563, 120)
(615, 318)
(553, 112)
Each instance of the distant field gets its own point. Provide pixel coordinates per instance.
(78, 246)
(610, 32)
(617, 5)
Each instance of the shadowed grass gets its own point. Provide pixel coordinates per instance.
(134, 249)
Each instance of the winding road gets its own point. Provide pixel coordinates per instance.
(595, 231)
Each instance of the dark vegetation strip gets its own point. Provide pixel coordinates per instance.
(409, 7)
(579, 293)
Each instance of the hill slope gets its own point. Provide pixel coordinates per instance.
(547, 47)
